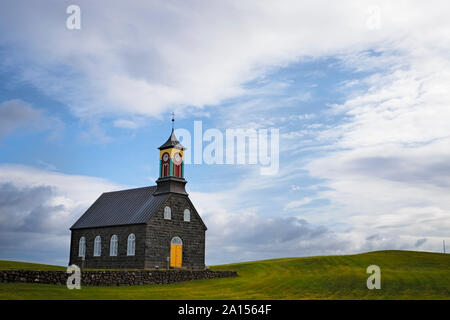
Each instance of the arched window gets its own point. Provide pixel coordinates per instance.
(97, 246)
(187, 215)
(176, 240)
(167, 213)
(131, 247)
(177, 164)
(165, 171)
(113, 246)
(82, 247)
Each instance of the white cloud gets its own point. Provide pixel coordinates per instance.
(389, 168)
(297, 203)
(37, 208)
(242, 234)
(383, 164)
(126, 124)
(18, 115)
(82, 189)
(141, 57)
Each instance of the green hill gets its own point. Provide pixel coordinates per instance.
(404, 275)
(18, 265)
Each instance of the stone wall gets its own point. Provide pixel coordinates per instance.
(161, 231)
(113, 277)
(105, 261)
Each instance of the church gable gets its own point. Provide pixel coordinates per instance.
(168, 229)
(177, 204)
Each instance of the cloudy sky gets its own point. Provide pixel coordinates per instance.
(359, 91)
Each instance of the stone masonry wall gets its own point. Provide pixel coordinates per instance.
(161, 231)
(113, 278)
(105, 261)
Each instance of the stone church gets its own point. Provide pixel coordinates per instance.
(149, 227)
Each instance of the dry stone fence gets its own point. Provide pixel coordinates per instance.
(113, 277)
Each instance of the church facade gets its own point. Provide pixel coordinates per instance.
(149, 227)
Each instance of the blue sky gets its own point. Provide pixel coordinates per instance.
(358, 91)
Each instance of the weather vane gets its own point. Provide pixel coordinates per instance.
(173, 119)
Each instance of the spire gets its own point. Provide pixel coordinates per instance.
(172, 142)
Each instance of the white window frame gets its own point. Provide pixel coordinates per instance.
(113, 246)
(167, 213)
(131, 244)
(176, 241)
(82, 247)
(97, 246)
(187, 215)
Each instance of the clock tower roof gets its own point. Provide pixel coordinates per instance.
(172, 142)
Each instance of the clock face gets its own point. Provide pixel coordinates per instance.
(177, 158)
(165, 157)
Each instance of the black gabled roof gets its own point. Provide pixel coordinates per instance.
(132, 206)
(172, 142)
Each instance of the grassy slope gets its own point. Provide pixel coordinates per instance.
(16, 265)
(404, 275)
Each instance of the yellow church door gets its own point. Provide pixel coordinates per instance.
(176, 252)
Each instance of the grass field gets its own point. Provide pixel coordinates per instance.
(404, 275)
